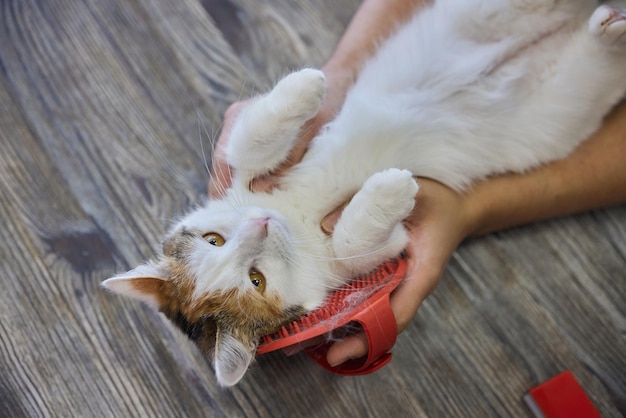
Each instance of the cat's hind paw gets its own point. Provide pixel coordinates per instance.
(608, 26)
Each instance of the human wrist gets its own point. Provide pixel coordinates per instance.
(507, 200)
(477, 214)
(469, 214)
(344, 65)
(339, 79)
(437, 203)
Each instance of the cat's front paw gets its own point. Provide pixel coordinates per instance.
(370, 229)
(608, 26)
(266, 129)
(394, 191)
(299, 95)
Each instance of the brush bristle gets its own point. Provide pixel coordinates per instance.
(335, 309)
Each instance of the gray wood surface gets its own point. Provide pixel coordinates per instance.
(106, 107)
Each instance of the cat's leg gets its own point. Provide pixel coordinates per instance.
(266, 129)
(575, 94)
(370, 229)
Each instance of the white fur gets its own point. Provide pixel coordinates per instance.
(466, 89)
(232, 358)
(290, 268)
(381, 205)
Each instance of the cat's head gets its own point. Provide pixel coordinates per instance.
(225, 278)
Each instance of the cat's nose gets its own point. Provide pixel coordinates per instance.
(262, 223)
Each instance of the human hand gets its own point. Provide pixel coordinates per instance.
(221, 173)
(440, 220)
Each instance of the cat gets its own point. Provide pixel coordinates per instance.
(462, 91)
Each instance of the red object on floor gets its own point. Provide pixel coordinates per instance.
(561, 397)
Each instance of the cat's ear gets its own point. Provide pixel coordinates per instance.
(232, 358)
(144, 283)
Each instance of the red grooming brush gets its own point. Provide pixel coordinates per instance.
(364, 300)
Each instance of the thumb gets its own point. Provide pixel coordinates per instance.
(405, 301)
(352, 347)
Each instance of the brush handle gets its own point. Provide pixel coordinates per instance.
(374, 314)
(379, 325)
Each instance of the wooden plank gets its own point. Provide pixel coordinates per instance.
(79, 121)
(292, 34)
(53, 332)
(103, 107)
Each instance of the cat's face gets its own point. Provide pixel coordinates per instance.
(226, 278)
(244, 248)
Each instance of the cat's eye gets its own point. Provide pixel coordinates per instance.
(214, 239)
(258, 280)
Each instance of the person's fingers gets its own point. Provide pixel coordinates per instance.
(405, 301)
(356, 346)
(329, 221)
(267, 182)
(414, 288)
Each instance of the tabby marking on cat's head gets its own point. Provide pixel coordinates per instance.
(220, 284)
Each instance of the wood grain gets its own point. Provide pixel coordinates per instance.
(106, 109)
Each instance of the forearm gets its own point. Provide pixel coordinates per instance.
(373, 21)
(593, 176)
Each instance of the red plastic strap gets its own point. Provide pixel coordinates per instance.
(379, 325)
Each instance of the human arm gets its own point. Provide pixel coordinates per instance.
(592, 177)
(373, 21)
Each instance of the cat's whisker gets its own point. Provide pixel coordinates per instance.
(305, 240)
(311, 245)
(218, 179)
(204, 159)
(353, 257)
(335, 279)
(239, 198)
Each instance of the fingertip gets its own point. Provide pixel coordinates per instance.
(263, 184)
(328, 222)
(327, 225)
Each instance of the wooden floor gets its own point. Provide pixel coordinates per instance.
(106, 109)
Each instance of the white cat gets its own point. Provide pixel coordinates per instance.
(464, 90)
